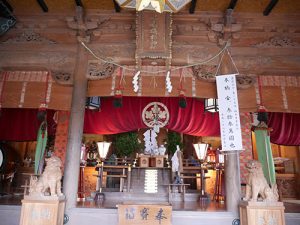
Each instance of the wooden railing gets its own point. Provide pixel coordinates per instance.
(125, 173)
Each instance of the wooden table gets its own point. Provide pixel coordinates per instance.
(181, 188)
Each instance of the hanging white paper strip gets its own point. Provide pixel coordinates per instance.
(229, 113)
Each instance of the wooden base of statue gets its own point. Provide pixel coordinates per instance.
(254, 213)
(44, 210)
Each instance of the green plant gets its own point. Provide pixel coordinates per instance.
(126, 144)
(173, 140)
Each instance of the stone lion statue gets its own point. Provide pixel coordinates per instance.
(50, 179)
(257, 184)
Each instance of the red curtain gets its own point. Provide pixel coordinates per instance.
(22, 124)
(286, 128)
(190, 120)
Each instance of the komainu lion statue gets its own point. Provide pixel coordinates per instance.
(257, 184)
(50, 179)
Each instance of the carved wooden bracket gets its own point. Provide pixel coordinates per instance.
(100, 70)
(61, 77)
(207, 73)
(29, 36)
(277, 42)
(81, 25)
(222, 32)
(245, 81)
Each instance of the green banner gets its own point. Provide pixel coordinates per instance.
(264, 151)
(40, 148)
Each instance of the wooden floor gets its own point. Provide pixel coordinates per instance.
(291, 206)
(190, 213)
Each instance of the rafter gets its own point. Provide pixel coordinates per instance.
(269, 7)
(78, 3)
(8, 5)
(117, 7)
(232, 4)
(193, 6)
(43, 5)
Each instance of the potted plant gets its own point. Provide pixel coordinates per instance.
(173, 139)
(126, 144)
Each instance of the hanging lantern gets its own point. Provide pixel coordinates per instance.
(93, 103)
(220, 157)
(157, 5)
(211, 156)
(211, 105)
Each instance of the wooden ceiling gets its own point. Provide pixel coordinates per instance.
(68, 6)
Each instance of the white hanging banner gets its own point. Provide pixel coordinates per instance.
(229, 113)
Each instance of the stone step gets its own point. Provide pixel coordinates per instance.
(138, 180)
(150, 197)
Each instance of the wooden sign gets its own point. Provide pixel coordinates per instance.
(153, 35)
(144, 214)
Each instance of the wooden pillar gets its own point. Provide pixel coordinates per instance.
(232, 182)
(232, 160)
(129, 178)
(72, 165)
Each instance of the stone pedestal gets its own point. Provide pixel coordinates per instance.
(46, 211)
(260, 213)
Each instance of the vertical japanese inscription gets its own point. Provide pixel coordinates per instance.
(229, 113)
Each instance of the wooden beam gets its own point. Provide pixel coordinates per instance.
(43, 5)
(269, 7)
(193, 6)
(8, 5)
(232, 4)
(117, 7)
(78, 3)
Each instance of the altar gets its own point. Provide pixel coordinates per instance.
(137, 181)
(133, 176)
